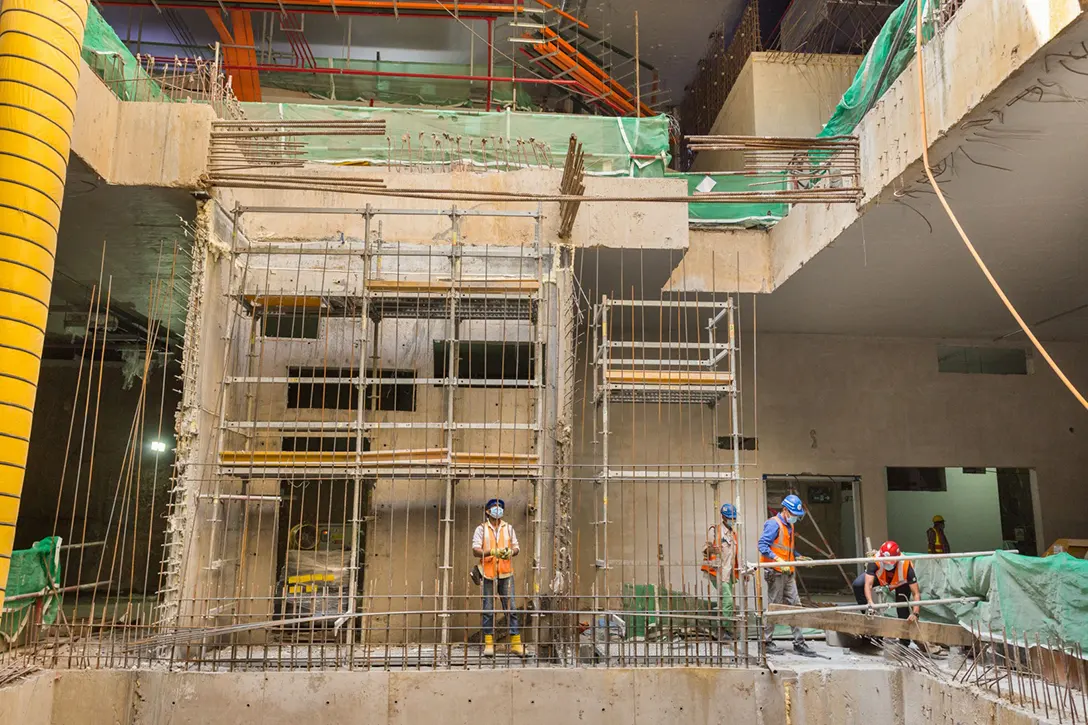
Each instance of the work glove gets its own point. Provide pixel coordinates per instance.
(504, 553)
(494, 553)
(804, 558)
(871, 611)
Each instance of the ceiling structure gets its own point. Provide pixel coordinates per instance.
(137, 230)
(1012, 172)
(672, 37)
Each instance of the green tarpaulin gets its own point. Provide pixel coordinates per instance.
(32, 570)
(743, 215)
(888, 56)
(1047, 596)
(440, 138)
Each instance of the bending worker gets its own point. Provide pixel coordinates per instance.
(938, 540)
(897, 576)
(496, 544)
(776, 545)
(720, 561)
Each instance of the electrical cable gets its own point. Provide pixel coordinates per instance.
(963, 235)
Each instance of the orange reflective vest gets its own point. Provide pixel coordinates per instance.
(895, 578)
(710, 554)
(493, 567)
(938, 541)
(782, 546)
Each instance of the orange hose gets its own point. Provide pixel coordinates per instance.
(963, 235)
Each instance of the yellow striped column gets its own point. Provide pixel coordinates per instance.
(40, 41)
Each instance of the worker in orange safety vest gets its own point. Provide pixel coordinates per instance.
(720, 563)
(896, 576)
(776, 546)
(496, 544)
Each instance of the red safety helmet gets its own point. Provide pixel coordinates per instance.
(889, 548)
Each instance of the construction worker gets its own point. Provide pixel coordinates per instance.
(776, 545)
(496, 544)
(720, 560)
(938, 540)
(898, 577)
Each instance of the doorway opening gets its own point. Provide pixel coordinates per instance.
(832, 528)
(984, 508)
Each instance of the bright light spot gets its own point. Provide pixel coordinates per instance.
(158, 446)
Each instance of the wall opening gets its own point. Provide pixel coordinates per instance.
(984, 508)
(832, 528)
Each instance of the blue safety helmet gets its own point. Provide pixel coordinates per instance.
(493, 502)
(729, 511)
(793, 504)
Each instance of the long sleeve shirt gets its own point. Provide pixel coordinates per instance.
(770, 533)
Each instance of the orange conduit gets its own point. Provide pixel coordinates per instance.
(924, 130)
(40, 41)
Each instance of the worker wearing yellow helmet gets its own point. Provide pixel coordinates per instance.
(938, 540)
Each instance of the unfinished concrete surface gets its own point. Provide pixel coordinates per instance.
(872, 695)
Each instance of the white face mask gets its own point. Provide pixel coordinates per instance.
(888, 566)
(495, 512)
(792, 519)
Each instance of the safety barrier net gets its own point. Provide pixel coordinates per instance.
(111, 60)
(888, 57)
(1047, 596)
(497, 140)
(33, 570)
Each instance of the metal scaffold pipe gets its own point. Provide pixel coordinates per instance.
(870, 559)
(40, 42)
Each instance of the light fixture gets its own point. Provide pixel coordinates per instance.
(158, 446)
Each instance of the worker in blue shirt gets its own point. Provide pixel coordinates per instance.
(776, 546)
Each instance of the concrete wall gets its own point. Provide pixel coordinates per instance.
(132, 144)
(973, 496)
(779, 94)
(850, 695)
(834, 406)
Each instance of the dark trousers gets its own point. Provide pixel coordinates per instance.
(506, 594)
(902, 594)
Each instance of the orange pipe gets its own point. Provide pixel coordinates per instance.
(579, 71)
(562, 14)
(598, 71)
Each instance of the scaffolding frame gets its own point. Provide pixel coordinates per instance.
(683, 373)
(381, 297)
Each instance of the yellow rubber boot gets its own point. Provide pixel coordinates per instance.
(516, 647)
(489, 646)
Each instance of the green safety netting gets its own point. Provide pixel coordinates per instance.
(432, 137)
(1044, 596)
(402, 90)
(740, 214)
(33, 570)
(112, 61)
(887, 58)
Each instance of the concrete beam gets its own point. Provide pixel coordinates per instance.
(140, 144)
(981, 60)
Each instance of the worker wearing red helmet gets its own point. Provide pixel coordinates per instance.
(896, 576)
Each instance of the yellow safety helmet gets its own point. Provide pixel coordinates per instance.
(938, 519)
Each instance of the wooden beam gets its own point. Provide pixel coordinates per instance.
(949, 635)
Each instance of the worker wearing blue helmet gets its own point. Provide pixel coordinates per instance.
(495, 544)
(720, 562)
(776, 546)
